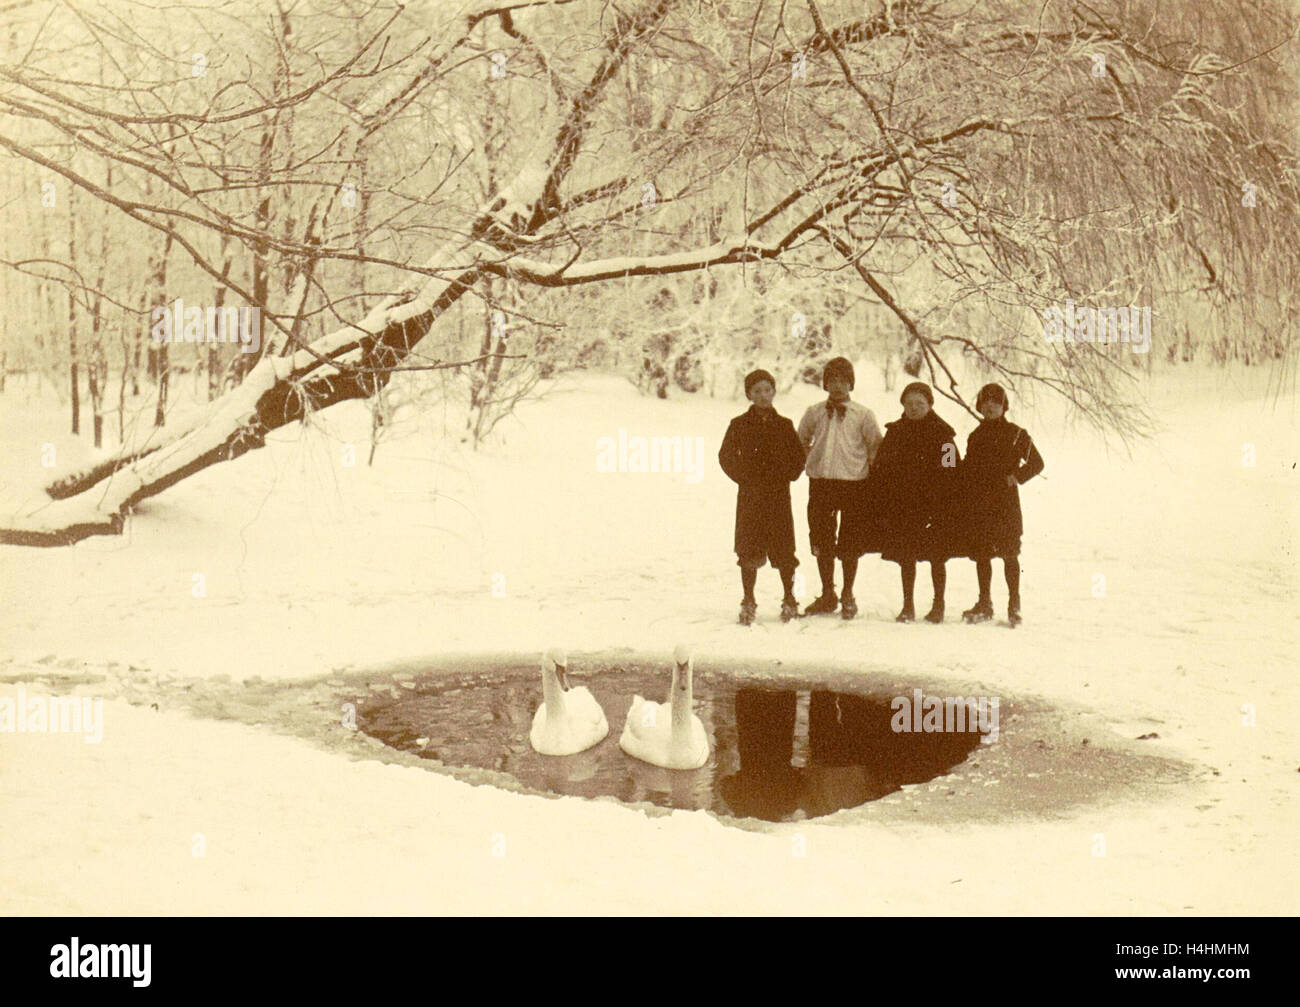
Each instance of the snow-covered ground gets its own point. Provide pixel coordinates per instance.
(291, 564)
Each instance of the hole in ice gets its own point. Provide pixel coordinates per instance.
(781, 749)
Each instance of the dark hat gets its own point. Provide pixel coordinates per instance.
(838, 368)
(754, 377)
(995, 392)
(918, 388)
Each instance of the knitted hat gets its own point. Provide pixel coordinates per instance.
(838, 368)
(918, 388)
(754, 377)
(995, 392)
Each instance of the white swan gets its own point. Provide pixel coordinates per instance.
(668, 734)
(569, 720)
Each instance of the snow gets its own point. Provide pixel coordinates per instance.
(721, 251)
(107, 498)
(289, 564)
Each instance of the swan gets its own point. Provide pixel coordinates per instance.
(569, 720)
(668, 734)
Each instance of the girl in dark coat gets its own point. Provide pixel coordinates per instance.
(1000, 456)
(762, 454)
(913, 481)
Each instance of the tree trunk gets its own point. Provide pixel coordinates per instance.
(93, 377)
(261, 278)
(136, 340)
(121, 387)
(159, 360)
(214, 355)
(73, 381)
(348, 363)
(164, 374)
(97, 366)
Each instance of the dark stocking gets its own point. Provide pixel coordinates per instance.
(1011, 566)
(787, 582)
(826, 568)
(908, 569)
(748, 576)
(984, 571)
(850, 565)
(939, 577)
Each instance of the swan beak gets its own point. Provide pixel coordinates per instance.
(561, 672)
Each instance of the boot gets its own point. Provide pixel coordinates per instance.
(981, 611)
(907, 615)
(1013, 612)
(748, 612)
(848, 606)
(789, 609)
(935, 615)
(824, 605)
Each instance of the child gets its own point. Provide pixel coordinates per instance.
(913, 480)
(999, 457)
(841, 438)
(762, 453)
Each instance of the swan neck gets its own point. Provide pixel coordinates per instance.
(552, 694)
(681, 699)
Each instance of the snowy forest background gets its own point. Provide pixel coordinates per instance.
(437, 206)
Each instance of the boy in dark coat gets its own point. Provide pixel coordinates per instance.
(913, 482)
(1000, 456)
(762, 454)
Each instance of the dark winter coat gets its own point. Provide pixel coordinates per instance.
(991, 524)
(762, 454)
(912, 490)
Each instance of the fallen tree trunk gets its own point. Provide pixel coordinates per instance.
(350, 363)
(278, 391)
